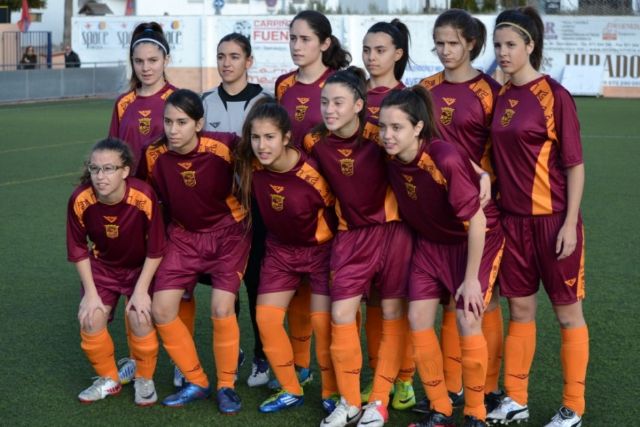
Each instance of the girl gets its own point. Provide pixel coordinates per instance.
(137, 114)
(225, 108)
(385, 54)
(137, 120)
(438, 195)
(317, 53)
(370, 231)
(538, 158)
(464, 100)
(297, 207)
(120, 215)
(192, 172)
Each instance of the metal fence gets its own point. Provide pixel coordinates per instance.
(15, 45)
(40, 84)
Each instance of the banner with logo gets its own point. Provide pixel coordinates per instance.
(610, 42)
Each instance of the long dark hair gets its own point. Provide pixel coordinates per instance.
(187, 101)
(108, 144)
(265, 108)
(526, 18)
(400, 37)
(355, 79)
(417, 104)
(335, 57)
(471, 29)
(147, 32)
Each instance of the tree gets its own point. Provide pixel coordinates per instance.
(17, 4)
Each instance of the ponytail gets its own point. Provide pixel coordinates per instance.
(400, 37)
(335, 57)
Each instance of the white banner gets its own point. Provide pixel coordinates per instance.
(612, 42)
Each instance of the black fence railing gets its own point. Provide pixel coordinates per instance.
(30, 50)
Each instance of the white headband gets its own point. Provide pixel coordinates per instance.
(149, 40)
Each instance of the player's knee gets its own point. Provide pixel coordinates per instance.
(522, 310)
(162, 314)
(570, 316)
(220, 311)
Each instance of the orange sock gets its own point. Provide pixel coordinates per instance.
(187, 313)
(408, 366)
(373, 330)
(492, 329)
(321, 321)
(145, 352)
(574, 353)
(428, 359)
(390, 356)
(177, 341)
(277, 347)
(226, 346)
(474, 372)
(347, 361)
(451, 353)
(300, 329)
(519, 349)
(99, 350)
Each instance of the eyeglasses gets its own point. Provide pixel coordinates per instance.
(106, 169)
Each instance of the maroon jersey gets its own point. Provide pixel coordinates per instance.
(357, 174)
(121, 235)
(374, 100)
(536, 137)
(138, 120)
(438, 192)
(296, 206)
(302, 102)
(465, 111)
(195, 188)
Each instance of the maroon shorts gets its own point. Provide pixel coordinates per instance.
(530, 255)
(221, 253)
(112, 282)
(438, 270)
(284, 266)
(376, 255)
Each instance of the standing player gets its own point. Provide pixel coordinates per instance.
(538, 160)
(192, 173)
(224, 110)
(137, 120)
(317, 53)
(369, 232)
(137, 114)
(121, 218)
(385, 54)
(457, 251)
(464, 98)
(297, 207)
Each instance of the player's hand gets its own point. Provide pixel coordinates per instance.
(89, 303)
(140, 302)
(471, 293)
(485, 189)
(566, 241)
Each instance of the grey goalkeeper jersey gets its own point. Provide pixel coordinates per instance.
(224, 112)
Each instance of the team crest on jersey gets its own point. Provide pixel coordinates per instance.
(374, 111)
(346, 152)
(301, 111)
(506, 117)
(144, 125)
(346, 166)
(449, 101)
(446, 115)
(111, 230)
(189, 178)
(513, 103)
(185, 165)
(277, 202)
(110, 219)
(411, 190)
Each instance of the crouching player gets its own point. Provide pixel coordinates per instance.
(457, 251)
(296, 205)
(121, 218)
